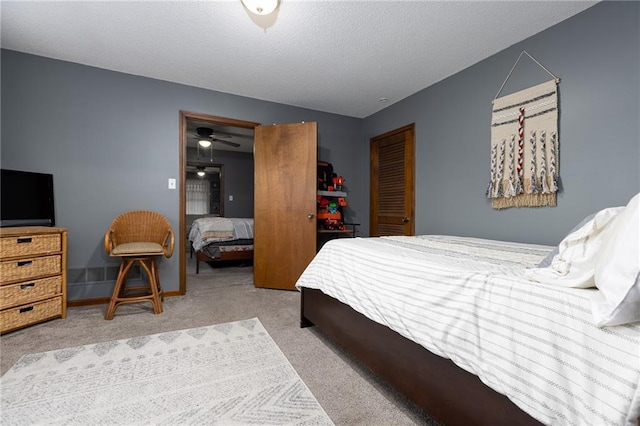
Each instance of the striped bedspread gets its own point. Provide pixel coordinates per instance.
(216, 229)
(466, 299)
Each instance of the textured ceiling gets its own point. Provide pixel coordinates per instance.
(333, 56)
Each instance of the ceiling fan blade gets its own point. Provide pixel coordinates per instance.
(227, 142)
(212, 137)
(207, 132)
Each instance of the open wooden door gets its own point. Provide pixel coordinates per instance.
(392, 210)
(285, 173)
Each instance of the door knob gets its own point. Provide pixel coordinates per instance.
(310, 216)
(405, 219)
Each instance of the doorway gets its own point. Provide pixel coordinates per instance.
(392, 196)
(205, 161)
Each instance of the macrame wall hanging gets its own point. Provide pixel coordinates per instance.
(524, 146)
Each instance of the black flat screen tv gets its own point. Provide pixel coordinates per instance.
(26, 199)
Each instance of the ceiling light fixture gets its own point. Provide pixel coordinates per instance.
(205, 138)
(260, 7)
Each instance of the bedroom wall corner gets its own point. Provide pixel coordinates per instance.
(597, 55)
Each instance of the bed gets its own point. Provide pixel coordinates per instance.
(220, 239)
(453, 324)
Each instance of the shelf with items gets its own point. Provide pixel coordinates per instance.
(332, 193)
(349, 231)
(330, 211)
(332, 199)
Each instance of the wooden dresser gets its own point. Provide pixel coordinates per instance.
(33, 275)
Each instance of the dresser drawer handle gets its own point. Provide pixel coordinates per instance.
(25, 240)
(25, 263)
(27, 309)
(27, 286)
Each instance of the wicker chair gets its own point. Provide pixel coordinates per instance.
(138, 236)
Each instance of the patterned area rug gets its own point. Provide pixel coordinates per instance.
(229, 374)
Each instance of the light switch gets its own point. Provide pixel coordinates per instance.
(230, 197)
(172, 183)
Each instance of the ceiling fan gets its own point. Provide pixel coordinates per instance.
(202, 170)
(205, 137)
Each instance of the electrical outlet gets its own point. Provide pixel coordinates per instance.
(172, 183)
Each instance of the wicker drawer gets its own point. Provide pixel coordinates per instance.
(29, 291)
(24, 269)
(29, 245)
(20, 316)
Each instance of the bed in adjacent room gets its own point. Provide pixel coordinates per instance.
(219, 239)
(460, 327)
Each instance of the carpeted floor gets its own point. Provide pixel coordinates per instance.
(349, 393)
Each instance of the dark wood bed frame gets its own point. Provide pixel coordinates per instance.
(224, 256)
(449, 394)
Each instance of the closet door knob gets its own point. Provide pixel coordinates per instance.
(310, 216)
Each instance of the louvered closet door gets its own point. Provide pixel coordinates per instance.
(392, 183)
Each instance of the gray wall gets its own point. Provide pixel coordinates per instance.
(238, 180)
(597, 56)
(111, 141)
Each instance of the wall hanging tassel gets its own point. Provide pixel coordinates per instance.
(533, 189)
(512, 147)
(500, 189)
(520, 169)
(552, 163)
(543, 164)
(494, 164)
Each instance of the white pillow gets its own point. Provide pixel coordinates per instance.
(617, 271)
(549, 258)
(574, 265)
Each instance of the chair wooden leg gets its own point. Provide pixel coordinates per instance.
(155, 269)
(151, 293)
(150, 269)
(123, 287)
(159, 287)
(118, 289)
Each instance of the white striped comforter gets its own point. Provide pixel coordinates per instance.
(466, 299)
